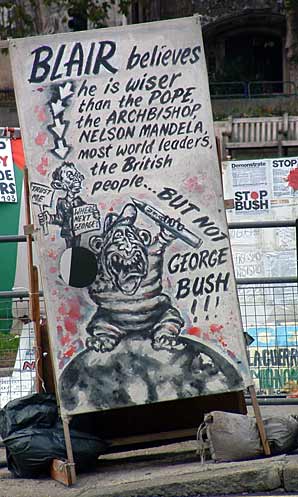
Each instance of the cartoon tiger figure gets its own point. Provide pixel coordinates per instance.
(128, 286)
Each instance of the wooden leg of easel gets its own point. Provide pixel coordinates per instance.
(33, 286)
(64, 471)
(259, 420)
(37, 330)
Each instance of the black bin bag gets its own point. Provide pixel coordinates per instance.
(33, 436)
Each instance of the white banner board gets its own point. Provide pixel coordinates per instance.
(8, 190)
(135, 261)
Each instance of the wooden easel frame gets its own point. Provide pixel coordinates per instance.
(64, 471)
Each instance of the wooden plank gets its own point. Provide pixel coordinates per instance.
(29, 242)
(263, 133)
(259, 420)
(61, 472)
(265, 144)
(241, 131)
(33, 286)
(274, 132)
(258, 131)
(70, 459)
(247, 127)
(37, 329)
(48, 372)
(289, 143)
(285, 124)
(153, 437)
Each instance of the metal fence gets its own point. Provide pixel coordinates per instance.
(17, 348)
(270, 319)
(252, 89)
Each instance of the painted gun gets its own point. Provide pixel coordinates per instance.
(182, 233)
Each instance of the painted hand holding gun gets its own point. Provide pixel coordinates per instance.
(173, 226)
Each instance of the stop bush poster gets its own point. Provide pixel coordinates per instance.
(128, 209)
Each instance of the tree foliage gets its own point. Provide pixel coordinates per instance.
(19, 18)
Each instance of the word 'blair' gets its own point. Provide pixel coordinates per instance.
(92, 58)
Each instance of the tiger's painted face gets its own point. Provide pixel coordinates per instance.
(124, 256)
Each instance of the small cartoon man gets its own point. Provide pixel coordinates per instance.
(67, 178)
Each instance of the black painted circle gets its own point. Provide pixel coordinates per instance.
(78, 267)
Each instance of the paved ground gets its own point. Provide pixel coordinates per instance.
(169, 470)
(173, 470)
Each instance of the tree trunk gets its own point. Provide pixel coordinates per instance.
(41, 16)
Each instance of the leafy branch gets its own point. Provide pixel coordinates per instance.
(20, 18)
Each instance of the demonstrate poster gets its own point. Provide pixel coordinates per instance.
(133, 242)
(263, 190)
(8, 190)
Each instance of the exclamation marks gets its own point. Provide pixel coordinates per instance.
(193, 310)
(206, 306)
(216, 304)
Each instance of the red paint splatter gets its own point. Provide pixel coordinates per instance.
(254, 195)
(70, 325)
(231, 354)
(70, 352)
(40, 112)
(194, 331)
(53, 238)
(74, 308)
(222, 341)
(41, 167)
(52, 254)
(65, 340)
(53, 269)
(40, 138)
(59, 329)
(292, 178)
(192, 184)
(62, 310)
(215, 328)
(206, 336)
(40, 88)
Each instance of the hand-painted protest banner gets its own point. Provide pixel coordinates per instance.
(8, 191)
(121, 119)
